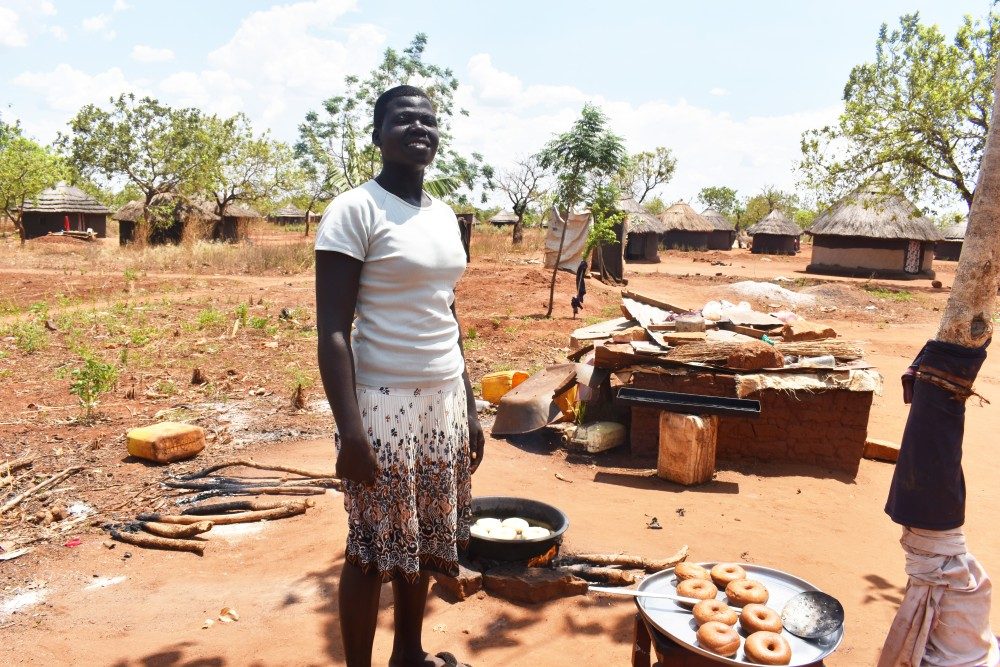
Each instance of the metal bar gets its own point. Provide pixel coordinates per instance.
(692, 404)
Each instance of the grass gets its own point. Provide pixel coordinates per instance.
(29, 337)
(209, 318)
(493, 243)
(888, 293)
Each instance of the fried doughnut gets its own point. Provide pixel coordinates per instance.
(767, 648)
(685, 571)
(756, 618)
(714, 610)
(723, 573)
(697, 588)
(745, 591)
(719, 638)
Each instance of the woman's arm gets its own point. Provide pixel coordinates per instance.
(337, 279)
(477, 440)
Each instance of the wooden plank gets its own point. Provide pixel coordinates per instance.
(650, 301)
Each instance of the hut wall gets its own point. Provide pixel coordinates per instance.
(684, 240)
(948, 250)
(228, 230)
(126, 232)
(721, 239)
(774, 244)
(864, 256)
(825, 428)
(610, 255)
(642, 247)
(37, 223)
(289, 220)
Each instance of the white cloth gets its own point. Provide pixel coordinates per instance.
(405, 334)
(944, 619)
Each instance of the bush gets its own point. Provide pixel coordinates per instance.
(90, 381)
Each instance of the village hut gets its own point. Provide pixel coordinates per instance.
(64, 208)
(233, 226)
(684, 228)
(289, 215)
(641, 232)
(871, 233)
(954, 237)
(774, 235)
(723, 233)
(171, 218)
(504, 218)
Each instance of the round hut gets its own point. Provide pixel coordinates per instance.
(641, 230)
(289, 215)
(871, 233)
(64, 208)
(723, 233)
(684, 228)
(171, 218)
(233, 226)
(951, 248)
(774, 235)
(504, 218)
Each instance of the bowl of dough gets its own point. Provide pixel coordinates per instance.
(506, 528)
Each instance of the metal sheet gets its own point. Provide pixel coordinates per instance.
(529, 406)
(677, 622)
(690, 404)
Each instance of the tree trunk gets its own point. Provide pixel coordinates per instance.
(968, 317)
(562, 240)
(518, 229)
(19, 224)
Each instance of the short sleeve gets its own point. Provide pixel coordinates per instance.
(346, 226)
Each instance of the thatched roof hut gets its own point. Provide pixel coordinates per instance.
(62, 206)
(504, 218)
(723, 230)
(171, 216)
(774, 235)
(684, 228)
(873, 233)
(641, 231)
(954, 238)
(289, 214)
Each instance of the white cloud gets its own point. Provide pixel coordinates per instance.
(149, 54)
(718, 92)
(120, 6)
(58, 32)
(47, 8)
(11, 34)
(215, 91)
(96, 23)
(66, 88)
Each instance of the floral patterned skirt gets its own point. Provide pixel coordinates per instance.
(418, 509)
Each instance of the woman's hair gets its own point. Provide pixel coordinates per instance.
(399, 91)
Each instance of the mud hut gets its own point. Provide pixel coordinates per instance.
(774, 235)
(63, 207)
(172, 218)
(723, 233)
(684, 228)
(289, 215)
(951, 248)
(641, 232)
(871, 233)
(233, 226)
(504, 218)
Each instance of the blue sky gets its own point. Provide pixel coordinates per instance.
(729, 86)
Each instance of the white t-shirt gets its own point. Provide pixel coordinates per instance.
(404, 332)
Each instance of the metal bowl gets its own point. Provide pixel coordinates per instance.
(503, 507)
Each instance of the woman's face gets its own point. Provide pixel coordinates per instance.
(409, 132)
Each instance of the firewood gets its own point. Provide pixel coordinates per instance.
(247, 463)
(175, 531)
(605, 575)
(18, 499)
(253, 488)
(637, 562)
(287, 510)
(234, 506)
(11, 466)
(154, 542)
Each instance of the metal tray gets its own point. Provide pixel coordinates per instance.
(694, 404)
(676, 621)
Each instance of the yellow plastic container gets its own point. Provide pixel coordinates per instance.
(568, 402)
(166, 441)
(495, 385)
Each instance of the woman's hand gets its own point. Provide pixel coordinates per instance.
(477, 443)
(356, 461)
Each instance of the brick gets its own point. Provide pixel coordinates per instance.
(881, 450)
(467, 583)
(532, 584)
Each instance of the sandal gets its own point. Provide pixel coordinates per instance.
(450, 660)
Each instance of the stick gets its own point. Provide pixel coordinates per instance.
(10, 466)
(18, 499)
(175, 531)
(154, 542)
(606, 575)
(234, 506)
(625, 560)
(226, 519)
(248, 463)
(249, 489)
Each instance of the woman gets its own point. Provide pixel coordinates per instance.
(408, 438)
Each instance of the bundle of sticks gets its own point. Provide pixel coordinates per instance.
(720, 351)
(615, 569)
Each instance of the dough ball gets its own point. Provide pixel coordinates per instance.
(479, 531)
(516, 523)
(503, 533)
(488, 523)
(535, 533)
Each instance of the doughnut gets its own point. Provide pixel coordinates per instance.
(744, 591)
(535, 533)
(756, 618)
(685, 571)
(719, 638)
(516, 523)
(767, 648)
(503, 533)
(723, 573)
(714, 610)
(697, 588)
(478, 530)
(488, 523)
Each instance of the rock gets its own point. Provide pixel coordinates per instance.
(937, 284)
(881, 450)
(532, 584)
(755, 355)
(803, 330)
(466, 584)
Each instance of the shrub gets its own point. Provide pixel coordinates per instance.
(91, 380)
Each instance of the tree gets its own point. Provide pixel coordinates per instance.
(723, 199)
(918, 114)
(341, 134)
(26, 168)
(523, 186)
(584, 158)
(655, 206)
(644, 171)
(157, 148)
(770, 198)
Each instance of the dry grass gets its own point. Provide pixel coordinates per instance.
(494, 243)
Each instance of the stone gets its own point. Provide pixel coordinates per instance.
(881, 450)
(687, 448)
(466, 584)
(755, 355)
(532, 584)
(803, 330)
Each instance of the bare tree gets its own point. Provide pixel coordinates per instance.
(644, 171)
(523, 186)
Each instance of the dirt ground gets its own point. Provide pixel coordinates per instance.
(126, 606)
